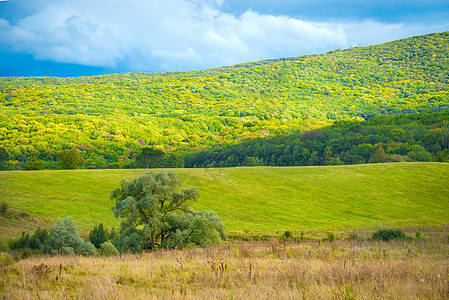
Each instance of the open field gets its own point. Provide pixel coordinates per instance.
(264, 199)
(343, 269)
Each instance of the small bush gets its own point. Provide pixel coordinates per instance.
(89, 249)
(26, 253)
(330, 237)
(3, 208)
(108, 249)
(418, 235)
(288, 235)
(389, 234)
(98, 235)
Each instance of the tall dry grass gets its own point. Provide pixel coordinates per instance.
(258, 270)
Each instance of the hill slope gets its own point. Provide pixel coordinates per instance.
(255, 199)
(114, 115)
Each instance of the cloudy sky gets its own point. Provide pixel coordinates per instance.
(88, 37)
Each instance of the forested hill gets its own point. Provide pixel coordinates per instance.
(110, 118)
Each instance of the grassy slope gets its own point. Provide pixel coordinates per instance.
(255, 199)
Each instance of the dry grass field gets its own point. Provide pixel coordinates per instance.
(357, 268)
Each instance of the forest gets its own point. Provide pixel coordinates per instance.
(185, 118)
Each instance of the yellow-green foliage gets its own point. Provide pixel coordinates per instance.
(185, 110)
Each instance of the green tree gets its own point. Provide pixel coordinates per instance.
(173, 160)
(203, 228)
(379, 156)
(419, 153)
(64, 238)
(70, 159)
(98, 236)
(35, 164)
(107, 248)
(150, 158)
(153, 202)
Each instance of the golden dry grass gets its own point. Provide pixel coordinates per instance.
(258, 270)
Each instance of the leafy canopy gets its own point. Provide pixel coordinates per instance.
(155, 203)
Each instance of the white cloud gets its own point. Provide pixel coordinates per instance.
(173, 34)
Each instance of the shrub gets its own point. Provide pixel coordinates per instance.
(35, 164)
(130, 240)
(418, 235)
(89, 249)
(98, 236)
(39, 238)
(22, 242)
(3, 208)
(64, 238)
(26, 253)
(287, 234)
(108, 249)
(389, 234)
(330, 237)
(34, 242)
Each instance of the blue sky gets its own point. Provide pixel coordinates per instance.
(89, 37)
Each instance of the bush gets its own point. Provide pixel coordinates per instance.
(389, 234)
(39, 238)
(3, 208)
(34, 242)
(331, 237)
(89, 249)
(98, 236)
(64, 238)
(108, 249)
(288, 234)
(418, 235)
(131, 239)
(26, 253)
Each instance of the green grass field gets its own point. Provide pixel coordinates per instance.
(263, 199)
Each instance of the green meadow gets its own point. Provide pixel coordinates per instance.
(254, 199)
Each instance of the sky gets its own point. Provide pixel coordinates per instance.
(93, 37)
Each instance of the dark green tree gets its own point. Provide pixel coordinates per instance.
(98, 236)
(70, 159)
(150, 158)
(35, 164)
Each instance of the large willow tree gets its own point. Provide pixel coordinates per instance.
(156, 203)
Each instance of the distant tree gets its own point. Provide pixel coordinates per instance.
(253, 161)
(70, 159)
(379, 156)
(157, 205)
(419, 153)
(173, 160)
(35, 164)
(150, 158)
(4, 156)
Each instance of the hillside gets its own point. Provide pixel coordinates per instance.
(110, 118)
(263, 199)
